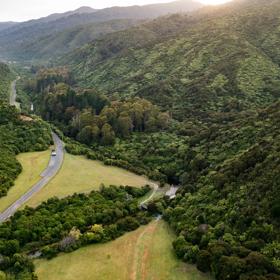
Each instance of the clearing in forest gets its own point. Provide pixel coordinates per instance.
(144, 254)
(81, 175)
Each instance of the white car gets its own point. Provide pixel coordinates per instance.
(53, 153)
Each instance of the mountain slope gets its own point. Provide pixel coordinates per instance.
(12, 39)
(230, 224)
(217, 59)
(57, 16)
(6, 77)
(54, 45)
(6, 25)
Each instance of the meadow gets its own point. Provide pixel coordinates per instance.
(81, 175)
(145, 253)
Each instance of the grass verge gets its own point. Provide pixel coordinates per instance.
(33, 165)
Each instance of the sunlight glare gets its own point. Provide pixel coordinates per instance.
(214, 2)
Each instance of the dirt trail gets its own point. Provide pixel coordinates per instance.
(141, 252)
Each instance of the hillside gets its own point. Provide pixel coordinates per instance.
(5, 25)
(62, 42)
(6, 77)
(213, 60)
(14, 38)
(227, 218)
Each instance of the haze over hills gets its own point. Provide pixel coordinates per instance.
(5, 25)
(79, 11)
(24, 34)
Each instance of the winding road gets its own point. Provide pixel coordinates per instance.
(53, 167)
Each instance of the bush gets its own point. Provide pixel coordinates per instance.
(191, 253)
(258, 262)
(50, 252)
(180, 245)
(275, 209)
(203, 261)
(230, 268)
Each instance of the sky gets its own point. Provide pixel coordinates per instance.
(21, 10)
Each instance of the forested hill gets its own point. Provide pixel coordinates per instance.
(6, 77)
(222, 58)
(227, 216)
(5, 25)
(16, 40)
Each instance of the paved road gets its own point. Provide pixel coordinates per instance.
(53, 167)
(13, 95)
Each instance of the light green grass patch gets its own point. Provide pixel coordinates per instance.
(33, 165)
(81, 175)
(143, 254)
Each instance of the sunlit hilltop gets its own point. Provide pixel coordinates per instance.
(214, 2)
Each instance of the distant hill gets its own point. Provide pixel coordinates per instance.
(59, 43)
(13, 39)
(79, 11)
(220, 58)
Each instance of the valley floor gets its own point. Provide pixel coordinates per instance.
(144, 254)
(81, 175)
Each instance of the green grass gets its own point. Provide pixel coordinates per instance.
(80, 175)
(33, 165)
(143, 254)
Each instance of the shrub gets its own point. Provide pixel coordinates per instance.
(230, 268)
(203, 261)
(191, 253)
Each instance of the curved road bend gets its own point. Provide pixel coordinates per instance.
(155, 189)
(53, 167)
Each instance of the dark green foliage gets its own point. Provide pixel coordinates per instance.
(236, 197)
(275, 209)
(204, 261)
(88, 116)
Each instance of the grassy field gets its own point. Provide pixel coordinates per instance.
(79, 174)
(145, 254)
(33, 164)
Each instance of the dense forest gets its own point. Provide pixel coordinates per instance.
(89, 116)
